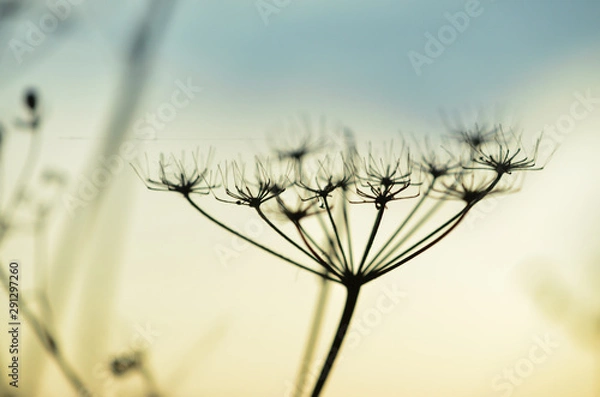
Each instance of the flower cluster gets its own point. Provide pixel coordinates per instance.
(300, 185)
(335, 246)
(179, 175)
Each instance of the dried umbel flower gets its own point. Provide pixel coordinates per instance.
(254, 190)
(300, 138)
(332, 173)
(179, 175)
(297, 152)
(437, 164)
(349, 180)
(470, 187)
(506, 154)
(297, 211)
(476, 136)
(386, 178)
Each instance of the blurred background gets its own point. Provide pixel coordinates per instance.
(508, 305)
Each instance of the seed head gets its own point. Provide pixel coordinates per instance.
(179, 175)
(470, 187)
(505, 155)
(255, 190)
(382, 179)
(331, 174)
(477, 136)
(31, 99)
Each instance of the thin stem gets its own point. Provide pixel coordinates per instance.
(310, 242)
(423, 249)
(153, 390)
(351, 299)
(337, 234)
(374, 231)
(347, 225)
(322, 262)
(22, 182)
(313, 338)
(1, 166)
(256, 244)
(461, 214)
(332, 246)
(48, 342)
(426, 238)
(285, 236)
(41, 253)
(400, 227)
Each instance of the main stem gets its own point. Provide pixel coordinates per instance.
(351, 299)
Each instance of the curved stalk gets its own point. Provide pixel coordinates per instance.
(306, 239)
(351, 299)
(49, 343)
(256, 244)
(347, 225)
(285, 236)
(390, 265)
(423, 240)
(331, 243)
(421, 250)
(22, 182)
(400, 227)
(374, 231)
(337, 234)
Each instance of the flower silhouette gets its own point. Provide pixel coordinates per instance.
(319, 185)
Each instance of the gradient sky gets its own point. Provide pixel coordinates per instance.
(466, 318)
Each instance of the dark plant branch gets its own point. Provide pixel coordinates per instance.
(253, 242)
(351, 300)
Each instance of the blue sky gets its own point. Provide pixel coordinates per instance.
(325, 57)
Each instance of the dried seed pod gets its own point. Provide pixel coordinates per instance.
(31, 99)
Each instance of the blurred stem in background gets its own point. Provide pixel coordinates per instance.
(90, 245)
(31, 124)
(313, 338)
(67, 263)
(577, 309)
(7, 222)
(48, 342)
